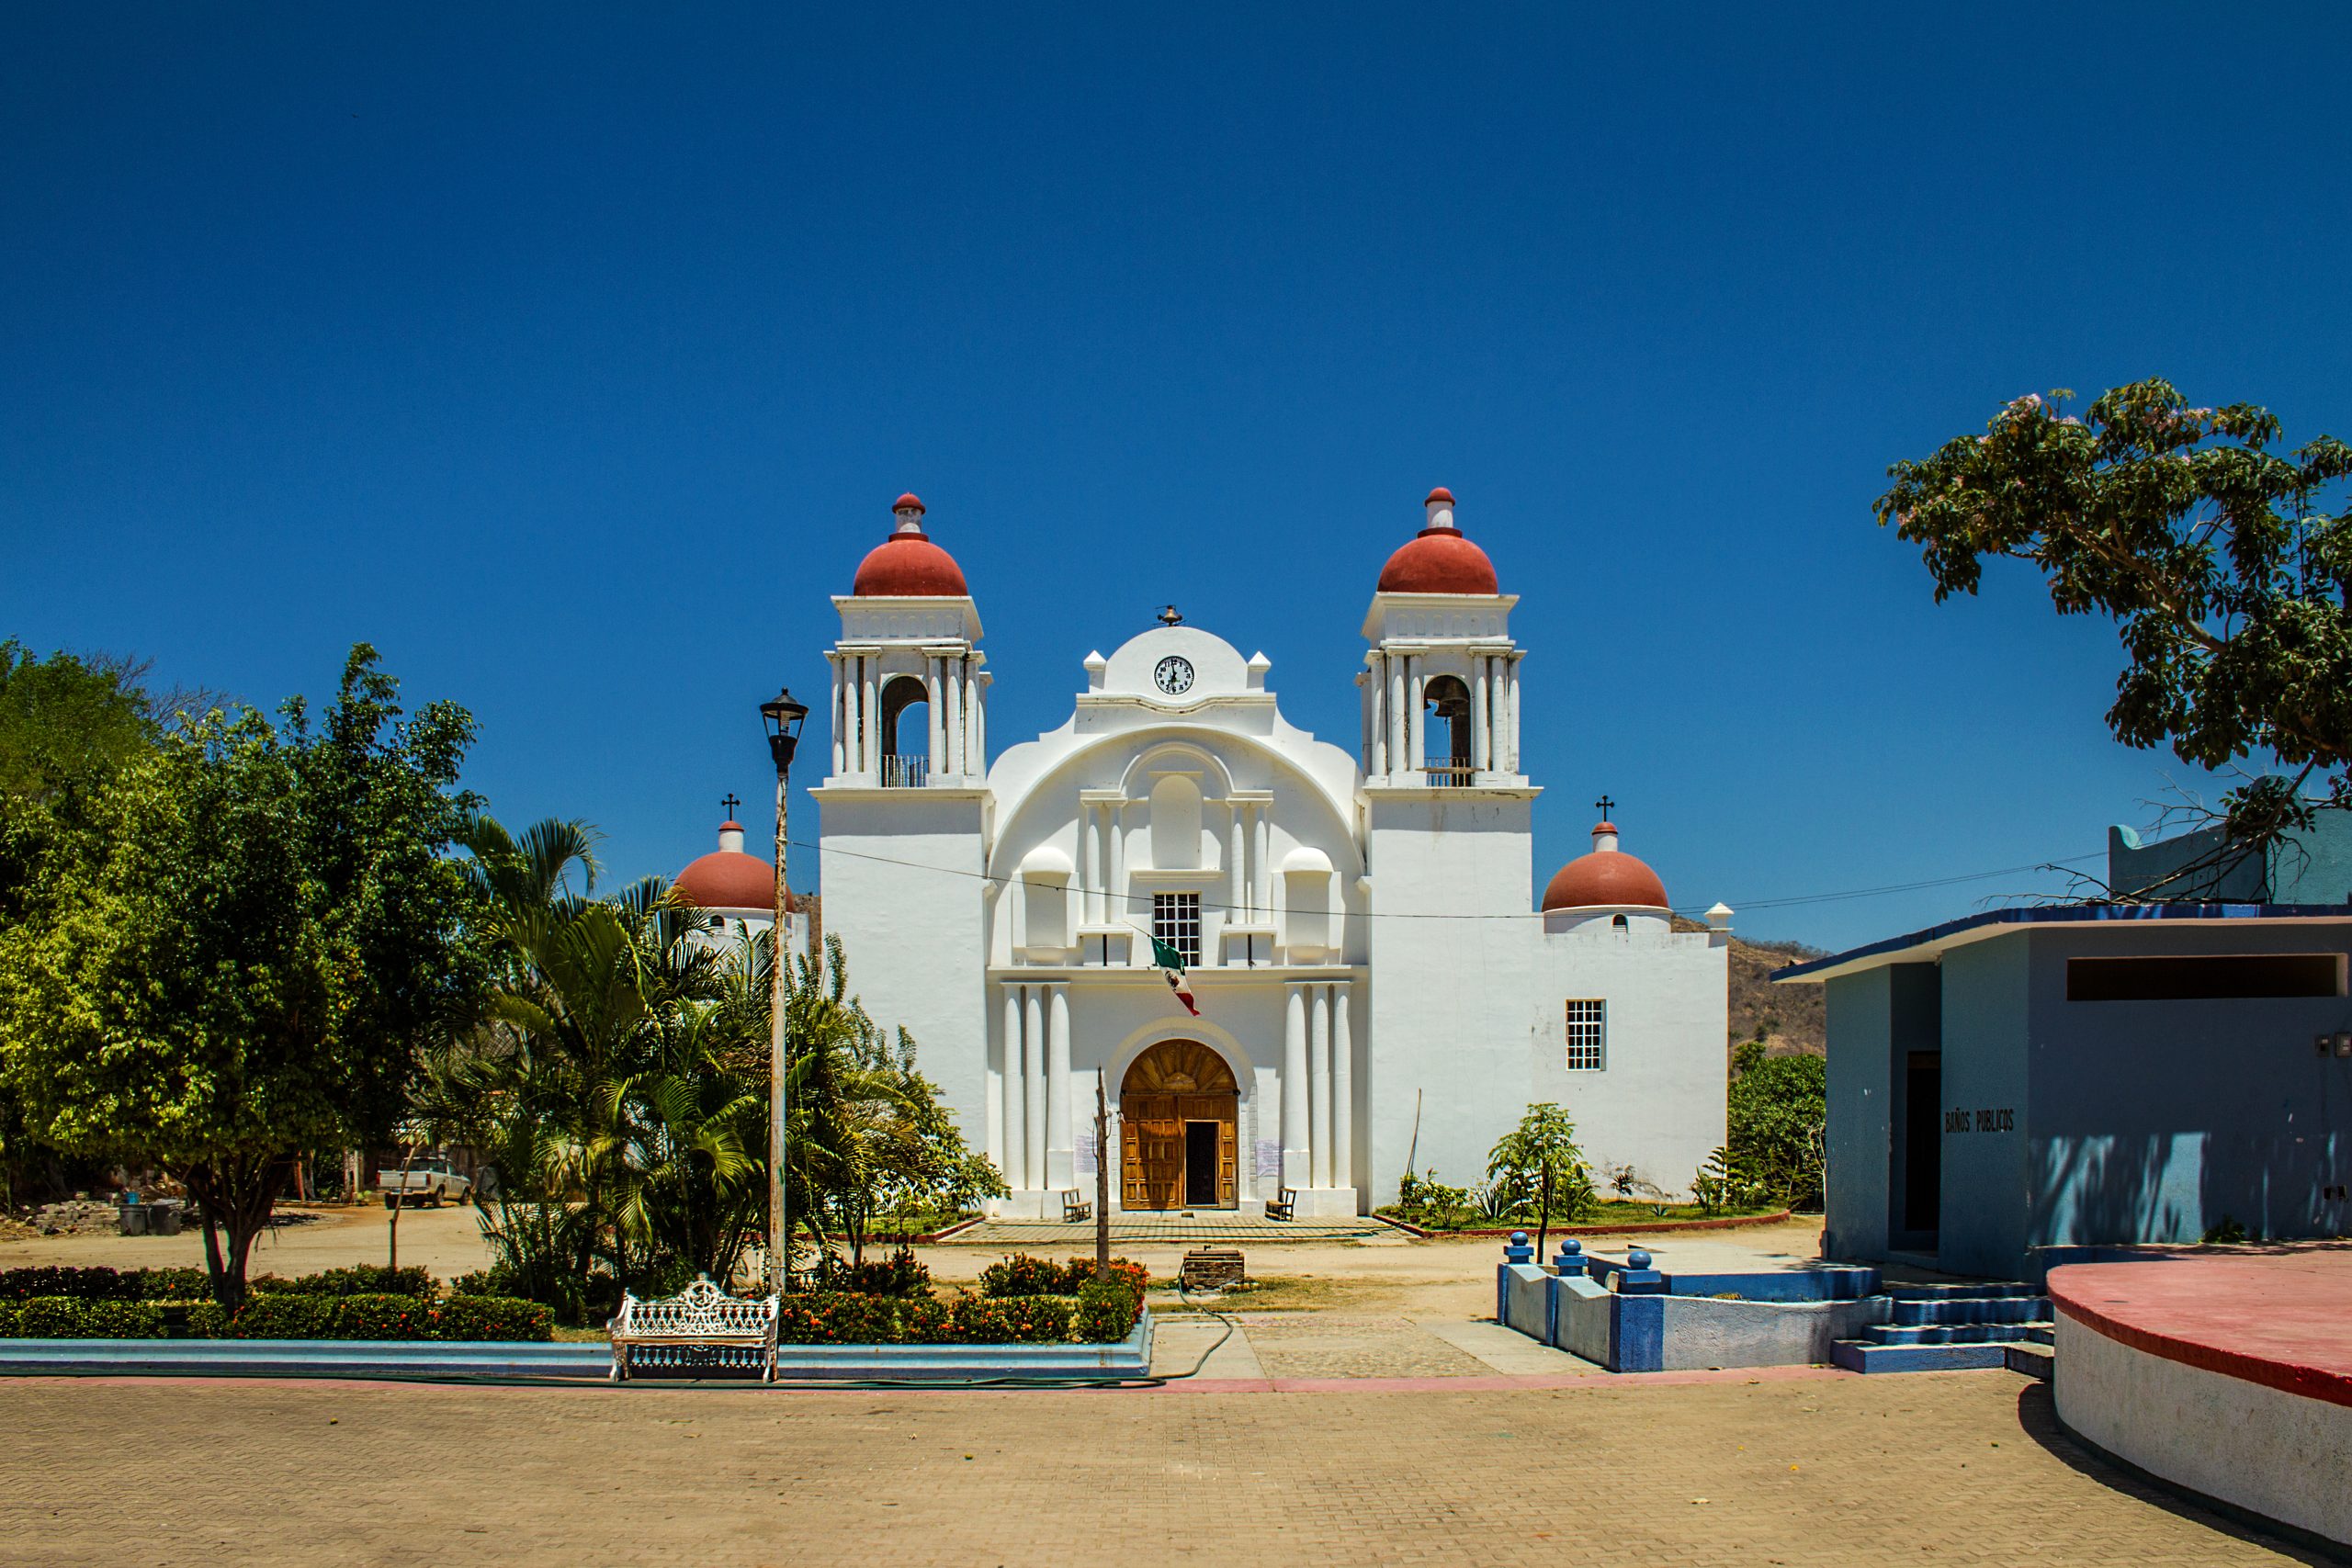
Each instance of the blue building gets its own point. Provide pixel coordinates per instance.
(2087, 1074)
(2202, 866)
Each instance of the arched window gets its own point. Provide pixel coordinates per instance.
(1446, 726)
(907, 764)
(1175, 824)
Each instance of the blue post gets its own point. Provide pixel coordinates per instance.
(1517, 1251)
(1570, 1259)
(1637, 1278)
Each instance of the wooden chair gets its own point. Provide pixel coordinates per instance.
(1282, 1206)
(1074, 1207)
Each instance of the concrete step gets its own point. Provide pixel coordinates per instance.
(2042, 1333)
(1950, 1333)
(2033, 1361)
(1862, 1356)
(1973, 1309)
(1958, 1293)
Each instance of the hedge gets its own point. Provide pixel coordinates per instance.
(194, 1284)
(1101, 1313)
(1022, 1275)
(378, 1316)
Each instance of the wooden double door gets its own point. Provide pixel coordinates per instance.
(1180, 1112)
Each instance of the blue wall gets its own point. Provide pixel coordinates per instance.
(2073, 1124)
(2154, 1120)
(2315, 867)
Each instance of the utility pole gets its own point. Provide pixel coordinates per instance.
(783, 716)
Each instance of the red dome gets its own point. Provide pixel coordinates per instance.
(728, 879)
(1605, 878)
(909, 566)
(1439, 560)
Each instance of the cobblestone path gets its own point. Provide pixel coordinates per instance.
(1936, 1469)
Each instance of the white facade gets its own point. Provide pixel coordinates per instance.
(1372, 969)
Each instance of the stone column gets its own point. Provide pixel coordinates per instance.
(1237, 881)
(978, 720)
(1295, 1090)
(951, 679)
(1115, 895)
(1394, 664)
(935, 713)
(1377, 767)
(1033, 1082)
(1061, 1147)
(1318, 1079)
(1417, 718)
(1089, 868)
(869, 721)
(1482, 756)
(1343, 1091)
(1262, 874)
(1013, 1159)
(1510, 706)
(840, 711)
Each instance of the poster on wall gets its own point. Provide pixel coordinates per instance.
(1269, 1157)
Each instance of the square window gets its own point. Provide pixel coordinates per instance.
(1176, 921)
(1587, 1034)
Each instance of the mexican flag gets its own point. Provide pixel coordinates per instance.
(1171, 968)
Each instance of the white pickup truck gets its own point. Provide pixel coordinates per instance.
(428, 1181)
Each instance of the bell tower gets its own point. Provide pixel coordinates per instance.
(905, 806)
(1447, 814)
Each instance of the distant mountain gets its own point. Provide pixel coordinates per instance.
(1792, 1021)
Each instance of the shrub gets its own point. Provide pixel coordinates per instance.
(105, 1284)
(173, 1284)
(1776, 1114)
(358, 1280)
(275, 1316)
(1022, 1275)
(981, 1320)
(836, 1317)
(206, 1320)
(63, 1317)
(497, 1280)
(900, 1274)
(1038, 1320)
(7, 1320)
(1106, 1312)
(926, 1320)
(381, 1315)
(492, 1317)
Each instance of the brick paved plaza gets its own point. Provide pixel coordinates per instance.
(1807, 1469)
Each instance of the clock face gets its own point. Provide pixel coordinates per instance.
(1174, 675)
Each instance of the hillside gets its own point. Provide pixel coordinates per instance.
(1790, 1020)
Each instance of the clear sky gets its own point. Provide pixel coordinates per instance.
(573, 354)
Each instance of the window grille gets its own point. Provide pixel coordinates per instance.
(1176, 921)
(1587, 1034)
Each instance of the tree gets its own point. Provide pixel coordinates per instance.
(1777, 1116)
(1539, 1164)
(244, 958)
(2216, 555)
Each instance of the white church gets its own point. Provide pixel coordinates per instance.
(1376, 982)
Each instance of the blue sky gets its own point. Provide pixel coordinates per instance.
(572, 354)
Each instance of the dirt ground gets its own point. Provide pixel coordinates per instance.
(1393, 1275)
(446, 1240)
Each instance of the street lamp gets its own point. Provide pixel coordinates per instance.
(783, 717)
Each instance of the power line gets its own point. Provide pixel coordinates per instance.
(1752, 904)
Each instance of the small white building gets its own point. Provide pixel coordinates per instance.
(1375, 982)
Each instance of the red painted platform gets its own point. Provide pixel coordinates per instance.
(2282, 1319)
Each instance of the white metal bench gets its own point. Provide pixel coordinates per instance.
(700, 1331)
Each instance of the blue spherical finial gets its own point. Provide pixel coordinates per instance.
(1519, 1239)
(1637, 1259)
(1571, 1248)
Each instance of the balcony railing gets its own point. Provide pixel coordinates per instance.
(905, 773)
(1449, 776)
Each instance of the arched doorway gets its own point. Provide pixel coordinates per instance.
(1180, 1112)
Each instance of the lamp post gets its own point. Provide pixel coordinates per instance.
(782, 715)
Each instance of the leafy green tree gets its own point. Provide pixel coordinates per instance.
(1540, 1166)
(244, 959)
(66, 723)
(1778, 1113)
(2217, 555)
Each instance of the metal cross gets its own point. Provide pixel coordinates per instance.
(730, 802)
(1604, 805)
